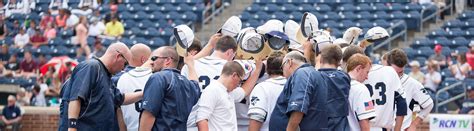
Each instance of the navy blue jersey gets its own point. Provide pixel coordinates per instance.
(338, 84)
(467, 105)
(306, 92)
(116, 77)
(91, 84)
(11, 112)
(169, 96)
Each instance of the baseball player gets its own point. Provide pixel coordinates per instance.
(265, 94)
(361, 108)
(415, 93)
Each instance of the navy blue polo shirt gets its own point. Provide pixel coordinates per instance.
(305, 91)
(11, 112)
(116, 77)
(338, 84)
(169, 96)
(91, 84)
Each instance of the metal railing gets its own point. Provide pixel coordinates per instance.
(434, 15)
(445, 89)
(393, 37)
(214, 13)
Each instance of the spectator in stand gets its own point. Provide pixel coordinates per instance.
(113, 13)
(16, 7)
(438, 57)
(61, 18)
(470, 55)
(99, 49)
(41, 60)
(461, 68)
(23, 98)
(82, 34)
(31, 28)
(432, 78)
(4, 54)
(3, 28)
(114, 28)
(3, 71)
(38, 39)
(46, 20)
(86, 7)
(50, 31)
(13, 65)
(28, 67)
(22, 39)
(55, 6)
(415, 72)
(11, 115)
(468, 104)
(72, 20)
(97, 27)
(15, 29)
(38, 98)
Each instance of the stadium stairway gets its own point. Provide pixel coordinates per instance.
(236, 8)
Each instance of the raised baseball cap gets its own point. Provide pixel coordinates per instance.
(184, 38)
(231, 27)
(351, 35)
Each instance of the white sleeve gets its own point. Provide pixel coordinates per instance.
(398, 85)
(364, 107)
(423, 99)
(184, 71)
(238, 94)
(258, 104)
(206, 105)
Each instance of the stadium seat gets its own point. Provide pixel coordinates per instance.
(295, 16)
(454, 23)
(270, 8)
(446, 51)
(460, 41)
(454, 91)
(437, 33)
(253, 8)
(323, 8)
(381, 15)
(150, 8)
(365, 7)
(365, 15)
(279, 16)
(410, 53)
(414, 7)
(244, 16)
(446, 73)
(349, 15)
(287, 8)
(141, 15)
(455, 32)
(462, 49)
(135, 8)
(424, 52)
(442, 41)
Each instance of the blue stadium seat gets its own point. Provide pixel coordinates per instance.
(414, 7)
(135, 30)
(127, 24)
(382, 23)
(454, 23)
(244, 16)
(307, 7)
(121, 7)
(156, 42)
(455, 32)
(189, 16)
(323, 8)
(279, 16)
(296, 16)
(153, 32)
(126, 15)
(454, 91)
(424, 52)
(410, 53)
(345, 24)
(130, 1)
(107, 42)
(446, 51)
(413, 15)
(252, 23)
(150, 8)
(261, 16)
(145, 24)
(422, 60)
(462, 49)
(437, 33)
(126, 41)
(442, 40)
(287, 8)
(253, 8)
(460, 41)
(396, 6)
(141, 15)
(331, 16)
(135, 8)
(59, 51)
(173, 15)
(33, 16)
(364, 7)
(183, 7)
(365, 15)
(397, 15)
(349, 15)
(45, 50)
(168, 8)
(381, 6)
(347, 8)
(421, 42)
(446, 73)
(381, 15)
(156, 15)
(364, 24)
(140, 40)
(270, 8)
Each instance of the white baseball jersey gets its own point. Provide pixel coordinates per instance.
(361, 105)
(133, 81)
(382, 83)
(207, 68)
(415, 94)
(263, 99)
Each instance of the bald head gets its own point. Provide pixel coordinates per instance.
(140, 54)
(117, 48)
(116, 56)
(169, 51)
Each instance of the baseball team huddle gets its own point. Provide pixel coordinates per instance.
(279, 76)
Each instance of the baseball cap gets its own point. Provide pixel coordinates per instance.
(248, 65)
(184, 38)
(415, 63)
(231, 27)
(438, 48)
(309, 24)
(321, 39)
(351, 35)
(376, 34)
(270, 25)
(291, 28)
(339, 41)
(277, 40)
(251, 45)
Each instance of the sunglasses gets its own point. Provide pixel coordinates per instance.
(154, 58)
(121, 55)
(283, 64)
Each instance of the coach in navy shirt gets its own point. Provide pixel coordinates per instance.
(168, 96)
(303, 102)
(11, 114)
(339, 84)
(89, 98)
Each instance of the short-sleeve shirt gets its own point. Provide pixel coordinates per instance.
(169, 97)
(339, 84)
(429, 83)
(216, 105)
(306, 92)
(415, 94)
(11, 112)
(36, 38)
(361, 105)
(28, 66)
(439, 57)
(91, 84)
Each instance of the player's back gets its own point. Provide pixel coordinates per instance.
(415, 94)
(133, 81)
(382, 83)
(207, 68)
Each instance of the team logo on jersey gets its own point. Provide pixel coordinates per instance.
(254, 100)
(424, 90)
(369, 105)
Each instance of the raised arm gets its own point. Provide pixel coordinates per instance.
(250, 83)
(206, 51)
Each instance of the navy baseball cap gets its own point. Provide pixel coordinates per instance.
(277, 40)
